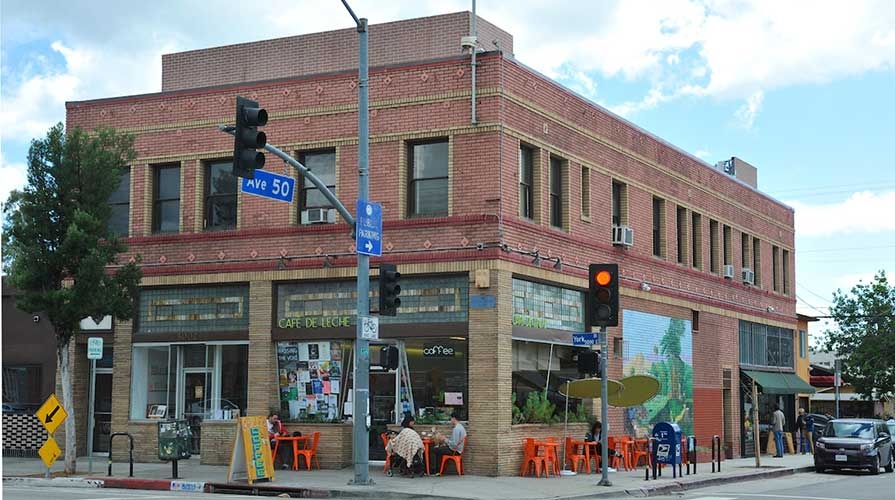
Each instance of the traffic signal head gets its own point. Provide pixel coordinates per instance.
(603, 301)
(389, 289)
(248, 139)
(589, 362)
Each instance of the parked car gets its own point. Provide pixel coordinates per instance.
(855, 443)
(820, 423)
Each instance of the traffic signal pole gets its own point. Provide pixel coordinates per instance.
(361, 409)
(604, 407)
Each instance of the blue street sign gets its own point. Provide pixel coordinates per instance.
(585, 339)
(269, 185)
(369, 228)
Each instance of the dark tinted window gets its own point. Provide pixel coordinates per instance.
(428, 189)
(166, 202)
(220, 196)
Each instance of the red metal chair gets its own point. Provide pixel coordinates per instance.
(311, 452)
(530, 458)
(457, 459)
(575, 456)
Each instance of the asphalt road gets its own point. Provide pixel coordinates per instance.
(22, 492)
(804, 486)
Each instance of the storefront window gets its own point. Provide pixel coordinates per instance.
(195, 381)
(538, 365)
(765, 345)
(311, 382)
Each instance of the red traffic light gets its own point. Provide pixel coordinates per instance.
(603, 278)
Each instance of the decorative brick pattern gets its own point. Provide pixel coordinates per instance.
(23, 435)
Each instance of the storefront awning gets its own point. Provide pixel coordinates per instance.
(779, 383)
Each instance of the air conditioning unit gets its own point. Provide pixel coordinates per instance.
(728, 271)
(622, 235)
(318, 216)
(748, 276)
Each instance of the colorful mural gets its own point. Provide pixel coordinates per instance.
(662, 347)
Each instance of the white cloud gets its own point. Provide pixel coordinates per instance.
(12, 176)
(863, 212)
(701, 153)
(746, 113)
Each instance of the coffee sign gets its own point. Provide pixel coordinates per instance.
(437, 351)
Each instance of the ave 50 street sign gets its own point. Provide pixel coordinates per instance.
(269, 185)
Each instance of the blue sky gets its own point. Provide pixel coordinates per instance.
(805, 91)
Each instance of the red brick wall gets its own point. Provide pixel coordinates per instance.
(398, 42)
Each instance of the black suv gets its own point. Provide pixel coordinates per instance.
(854, 443)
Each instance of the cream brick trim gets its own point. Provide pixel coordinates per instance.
(148, 189)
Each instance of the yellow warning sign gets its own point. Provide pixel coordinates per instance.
(49, 452)
(51, 414)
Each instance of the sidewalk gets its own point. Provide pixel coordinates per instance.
(334, 483)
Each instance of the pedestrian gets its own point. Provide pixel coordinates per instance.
(809, 428)
(449, 445)
(779, 421)
(802, 430)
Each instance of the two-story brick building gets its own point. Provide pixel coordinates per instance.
(248, 303)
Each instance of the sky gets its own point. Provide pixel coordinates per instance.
(804, 91)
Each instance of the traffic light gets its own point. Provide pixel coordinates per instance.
(248, 139)
(603, 294)
(589, 362)
(388, 357)
(389, 289)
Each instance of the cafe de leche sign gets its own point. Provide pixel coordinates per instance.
(314, 322)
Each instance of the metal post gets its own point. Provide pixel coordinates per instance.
(756, 441)
(361, 430)
(836, 378)
(90, 416)
(604, 407)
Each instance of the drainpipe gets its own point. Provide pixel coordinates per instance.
(471, 43)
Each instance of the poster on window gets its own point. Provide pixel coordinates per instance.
(309, 379)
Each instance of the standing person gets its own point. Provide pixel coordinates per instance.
(802, 429)
(449, 445)
(779, 421)
(809, 428)
(276, 428)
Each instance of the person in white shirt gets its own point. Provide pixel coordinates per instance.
(449, 445)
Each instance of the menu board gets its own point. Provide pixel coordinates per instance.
(310, 379)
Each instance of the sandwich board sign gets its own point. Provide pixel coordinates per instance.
(251, 454)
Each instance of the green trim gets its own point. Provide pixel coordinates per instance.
(780, 383)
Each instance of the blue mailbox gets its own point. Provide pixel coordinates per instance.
(667, 437)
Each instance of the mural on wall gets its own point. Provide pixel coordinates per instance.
(662, 347)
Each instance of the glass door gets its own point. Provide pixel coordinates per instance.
(102, 410)
(196, 385)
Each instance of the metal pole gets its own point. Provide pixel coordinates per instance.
(836, 379)
(90, 416)
(604, 407)
(756, 441)
(361, 430)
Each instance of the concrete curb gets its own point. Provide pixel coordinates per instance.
(299, 492)
(65, 482)
(132, 483)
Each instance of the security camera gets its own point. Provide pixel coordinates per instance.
(35, 318)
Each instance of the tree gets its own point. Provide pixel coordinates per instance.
(865, 339)
(58, 250)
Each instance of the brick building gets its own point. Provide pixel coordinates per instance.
(491, 219)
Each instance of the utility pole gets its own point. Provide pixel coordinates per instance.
(361, 409)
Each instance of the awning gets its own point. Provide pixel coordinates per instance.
(780, 383)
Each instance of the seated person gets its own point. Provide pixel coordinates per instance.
(276, 428)
(596, 436)
(406, 445)
(449, 445)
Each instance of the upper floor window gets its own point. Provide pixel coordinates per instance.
(681, 235)
(714, 236)
(785, 272)
(166, 199)
(618, 203)
(756, 260)
(557, 185)
(120, 202)
(726, 246)
(323, 165)
(775, 267)
(526, 182)
(696, 240)
(220, 196)
(658, 227)
(428, 188)
(585, 191)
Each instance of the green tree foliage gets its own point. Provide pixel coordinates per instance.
(58, 250)
(865, 339)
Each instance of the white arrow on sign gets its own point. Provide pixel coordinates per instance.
(369, 246)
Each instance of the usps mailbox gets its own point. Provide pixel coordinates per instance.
(667, 449)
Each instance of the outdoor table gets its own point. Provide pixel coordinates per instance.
(551, 450)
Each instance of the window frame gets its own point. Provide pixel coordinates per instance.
(558, 184)
(585, 192)
(158, 202)
(211, 200)
(526, 182)
(658, 227)
(116, 205)
(412, 180)
(305, 186)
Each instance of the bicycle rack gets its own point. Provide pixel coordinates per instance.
(130, 452)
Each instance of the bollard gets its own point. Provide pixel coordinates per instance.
(691, 453)
(130, 453)
(716, 452)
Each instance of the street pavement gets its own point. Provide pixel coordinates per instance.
(193, 476)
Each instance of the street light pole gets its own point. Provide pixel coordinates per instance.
(361, 407)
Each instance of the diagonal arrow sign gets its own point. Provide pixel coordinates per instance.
(50, 415)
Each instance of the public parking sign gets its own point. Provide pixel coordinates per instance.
(369, 228)
(270, 185)
(95, 348)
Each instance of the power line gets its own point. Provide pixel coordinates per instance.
(819, 250)
(803, 287)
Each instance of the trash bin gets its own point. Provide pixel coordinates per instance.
(174, 440)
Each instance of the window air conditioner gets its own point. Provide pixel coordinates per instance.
(318, 216)
(622, 235)
(728, 271)
(748, 276)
